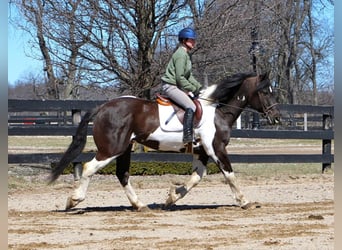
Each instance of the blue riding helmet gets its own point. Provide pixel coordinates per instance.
(187, 33)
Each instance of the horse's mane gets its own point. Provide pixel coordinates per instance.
(228, 86)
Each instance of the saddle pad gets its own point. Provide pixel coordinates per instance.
(166, 123)
(173, 124)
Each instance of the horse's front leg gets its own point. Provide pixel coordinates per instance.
(199, 168)
(232, 181)
(224, 164)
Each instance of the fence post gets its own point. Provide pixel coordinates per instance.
(305, 121)
(78, 168)
(238, 122)
(256, 121)
(326, 144)
(76, 116)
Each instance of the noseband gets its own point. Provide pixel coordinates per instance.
(266, 109)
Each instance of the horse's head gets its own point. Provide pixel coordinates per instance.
(244, 89)
(261, 98)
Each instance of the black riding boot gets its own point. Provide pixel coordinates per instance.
(188, 126)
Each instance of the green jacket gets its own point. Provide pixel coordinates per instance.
(178, 72)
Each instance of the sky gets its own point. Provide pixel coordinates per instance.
(21, 65)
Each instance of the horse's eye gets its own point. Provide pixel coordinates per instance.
(266, 91)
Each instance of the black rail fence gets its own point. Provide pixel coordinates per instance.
(60, 118)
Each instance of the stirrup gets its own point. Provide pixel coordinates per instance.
(188, 147)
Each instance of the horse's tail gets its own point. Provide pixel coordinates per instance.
(75, 148)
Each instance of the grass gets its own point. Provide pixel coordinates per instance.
(65, 140)
(61, 142)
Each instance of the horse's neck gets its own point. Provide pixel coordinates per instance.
(233, 110)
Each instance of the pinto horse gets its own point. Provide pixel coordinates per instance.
(121, 121)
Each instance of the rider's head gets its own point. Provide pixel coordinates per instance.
(187, 37)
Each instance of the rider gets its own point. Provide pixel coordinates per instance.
(179, 84)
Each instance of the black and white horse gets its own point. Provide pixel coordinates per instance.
(121, 121)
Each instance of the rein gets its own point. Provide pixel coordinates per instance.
(233, 106)
(220, 103)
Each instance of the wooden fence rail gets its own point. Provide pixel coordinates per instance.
(60, 118)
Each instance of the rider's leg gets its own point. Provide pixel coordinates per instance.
(185, 101)
(188, 126)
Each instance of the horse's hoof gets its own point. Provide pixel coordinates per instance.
(172, 197)
(251, 205)
(143, 209)
(70, 203)
(169, 202)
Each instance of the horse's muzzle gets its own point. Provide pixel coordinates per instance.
(274, 120)
(273, 116)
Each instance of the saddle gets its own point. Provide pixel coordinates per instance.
(179, 111)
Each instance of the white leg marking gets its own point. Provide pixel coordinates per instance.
(89, 169)
(132, 197)
(231, 179)
(177, 193)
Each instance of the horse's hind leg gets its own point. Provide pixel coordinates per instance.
(89, 169)
(122, 172)
(199, 163)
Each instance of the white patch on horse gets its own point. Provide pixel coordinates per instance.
(231, 180)
(168, 141)
(89, 169)
(206, 93)
(132, 196)
(207, 131)
(176, 193)
(94, 165)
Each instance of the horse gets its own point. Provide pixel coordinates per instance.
(127, 119)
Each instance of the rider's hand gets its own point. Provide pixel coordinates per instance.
(196, 93)
(192, 96)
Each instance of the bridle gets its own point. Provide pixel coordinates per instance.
(266, 109)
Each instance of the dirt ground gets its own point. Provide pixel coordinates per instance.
(295, 212)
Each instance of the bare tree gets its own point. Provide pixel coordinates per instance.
(105, 42)
(281, 36)
(52, 27)
(125, 36)
(126, 44)
(224, 38)
(318, 47)
(293, 52)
